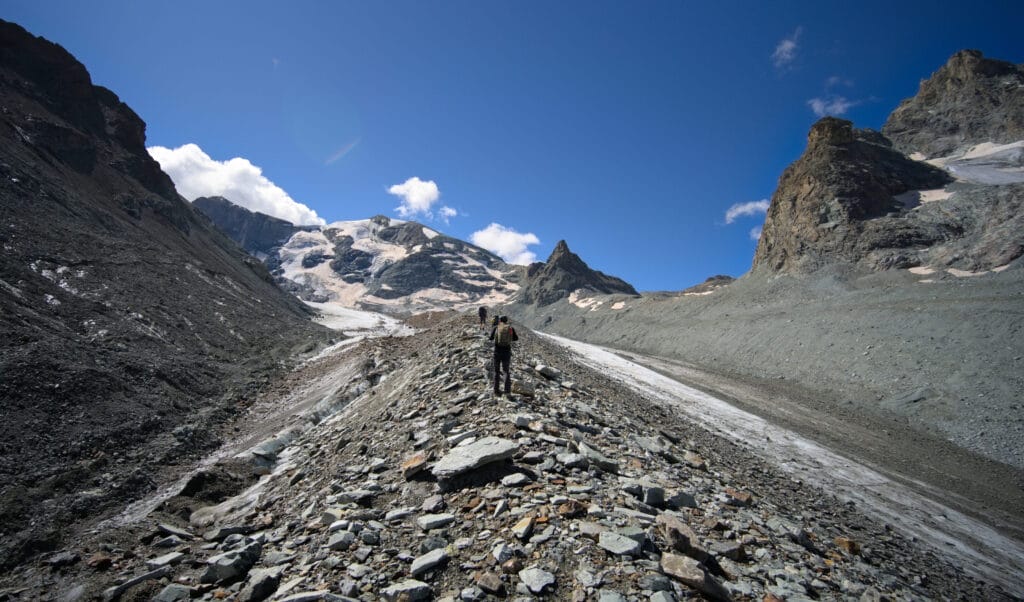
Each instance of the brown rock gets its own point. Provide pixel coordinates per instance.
(681, 537)
(851, 546)
(738, 497)
(415, 464)
(99, 561)
(689, 572)
(695, 461)
(512, 567)
(490, 582)
(572, 509)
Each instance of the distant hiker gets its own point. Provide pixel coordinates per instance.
(494, 322)
(483, 318)
(503, 335)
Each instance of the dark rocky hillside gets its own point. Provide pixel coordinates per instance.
(563, 273)
(969, 100)
(124, 315)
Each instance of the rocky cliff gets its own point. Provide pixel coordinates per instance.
(969, 100)
(837, 203)
(124, 314)
(257, 233)
(563, 273)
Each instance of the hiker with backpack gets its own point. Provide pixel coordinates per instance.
(503, 335)
(483, 318)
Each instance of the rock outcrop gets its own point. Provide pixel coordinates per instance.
(563, 273)
(257, 233)
(969, 100)
(123, 313)
(837, 202)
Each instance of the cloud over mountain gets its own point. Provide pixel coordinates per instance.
(417, 197)
(196, 174)
(506, 243)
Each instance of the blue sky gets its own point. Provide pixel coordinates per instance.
(628, 129)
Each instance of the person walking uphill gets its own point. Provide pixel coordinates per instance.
(483, 317)
(503, 335)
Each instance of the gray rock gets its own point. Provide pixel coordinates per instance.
(608, 595)
(548, 372)
(536, 579)
(663, 596)
(433, 504)
(472, 594)
(315, 596)
(598, 459)
(618, 544)
(112, 593)
(428, 562)
(655, 582)
(342, 540)
(262, 583)
(172, 530)
(221, 532)
(231, 566)
(166, 560)
(174, 592)
(409, 590)
(435, 521)
(432, 543)
(471, 456)
(571, 460)
(516, 479)
(690, 572)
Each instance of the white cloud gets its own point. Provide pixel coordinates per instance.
(755, 233)
(447, 213)
(785, 50)
(417, 196)
(741, 209)
(195, 174)
(506, 243)
(831, 105)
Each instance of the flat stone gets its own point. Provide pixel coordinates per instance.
(435, 521)
(428, 562)
(490, 582)
(688, 571)
(174, 592)
(415, 464)
(356, 496)
(502, 552)
(536, 579)
(681, 499)
(516, 479)
(662, 597)
(598, 459)
(571, 460)
(314, 596)
(398, 514)
(341, 540)
(166, 560)
(409, 590)
(471, 456)
(618, 544)
(694, 461)
(523, 528)
(261, 584)
(221, 532)
(231, 566)
(608, 595)
(433, 504)
(112, 593)
(172, 530)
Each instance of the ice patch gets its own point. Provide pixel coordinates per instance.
(619, 305)
(355, 322)
(964, 273)
(431, 234)
(986, 163)
(922, 270)
(913, 198)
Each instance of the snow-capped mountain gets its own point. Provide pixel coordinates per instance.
(385, 264)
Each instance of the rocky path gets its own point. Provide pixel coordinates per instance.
(420, 485)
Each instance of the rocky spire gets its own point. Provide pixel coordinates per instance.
(563, 273)
(969, 100)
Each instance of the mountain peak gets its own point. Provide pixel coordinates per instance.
(563, 273)
(969, 100)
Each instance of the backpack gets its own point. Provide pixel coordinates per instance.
(503, 336)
